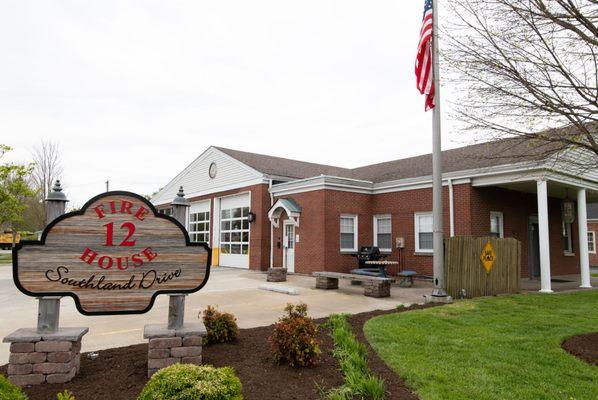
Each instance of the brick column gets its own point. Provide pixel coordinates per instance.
(44, 358)
(277, 275)
(48, 353)
(171, 346)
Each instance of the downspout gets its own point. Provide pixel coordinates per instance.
(451, 208)
(271, 226)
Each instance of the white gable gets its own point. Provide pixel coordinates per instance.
(196, 180)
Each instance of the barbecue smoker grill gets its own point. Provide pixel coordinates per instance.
(368, 253)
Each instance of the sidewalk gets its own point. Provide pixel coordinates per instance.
(230, 289)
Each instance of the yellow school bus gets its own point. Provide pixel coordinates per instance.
(6, 240)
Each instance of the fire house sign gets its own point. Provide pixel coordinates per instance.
(114, 256)
(488, 257)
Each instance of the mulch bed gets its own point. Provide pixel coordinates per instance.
(584, 347)
(120, 373)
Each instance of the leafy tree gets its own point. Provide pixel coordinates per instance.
(14, 191)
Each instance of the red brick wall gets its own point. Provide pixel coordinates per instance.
(310, 250)
(320, 220)
(402, 207)
(338, 203)
(593, 226)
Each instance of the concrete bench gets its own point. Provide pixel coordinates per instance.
(373, 286)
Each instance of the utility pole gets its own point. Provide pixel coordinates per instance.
(108, 186)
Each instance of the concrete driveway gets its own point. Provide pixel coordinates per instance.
(230, 289)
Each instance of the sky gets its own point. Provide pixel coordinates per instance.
(133, 91)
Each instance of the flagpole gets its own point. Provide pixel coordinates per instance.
(438, 294)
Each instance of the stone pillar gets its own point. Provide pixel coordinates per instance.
(542, 193)
(174, 342)
(277, 275)
(170, 346)
(44, 358)
(582, 224)
(48, 353)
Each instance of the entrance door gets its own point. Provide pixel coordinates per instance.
(289, 246)
(534, 248)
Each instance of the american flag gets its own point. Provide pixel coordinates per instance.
(423, 63)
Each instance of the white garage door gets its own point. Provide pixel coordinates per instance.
(234, 231)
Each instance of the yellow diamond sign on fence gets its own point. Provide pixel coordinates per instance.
(488, 257)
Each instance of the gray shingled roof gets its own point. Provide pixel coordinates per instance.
(279, 166)
(489, 154)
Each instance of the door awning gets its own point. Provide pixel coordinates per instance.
(290, 206)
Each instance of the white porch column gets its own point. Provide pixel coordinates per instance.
(542, 193)
(582, 222)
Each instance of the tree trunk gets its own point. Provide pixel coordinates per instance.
(14, 238)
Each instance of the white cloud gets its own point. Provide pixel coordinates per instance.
(134, 91)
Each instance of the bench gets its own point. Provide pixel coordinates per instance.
(373, 286)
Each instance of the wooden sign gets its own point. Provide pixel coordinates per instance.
(114, 256)
(488, 257)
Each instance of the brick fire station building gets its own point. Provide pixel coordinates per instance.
(257, 211)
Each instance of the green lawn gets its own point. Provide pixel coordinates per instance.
(504, 347)
(5, 258)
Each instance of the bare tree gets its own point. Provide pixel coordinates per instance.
(48, 166)
(526, 69)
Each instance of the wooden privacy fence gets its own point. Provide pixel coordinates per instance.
(463, 268)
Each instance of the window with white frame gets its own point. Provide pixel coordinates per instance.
(424, 232)
(383, 232)
(592, 242)
(199, 226)
(496, 224)
(348, 232)
(567, 240)
(234, 230)
(167, 211)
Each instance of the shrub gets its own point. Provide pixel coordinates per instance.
(192, 382)
(8, 391)
(221, 327)
(66, 395)
(351, 355)
(294, 338)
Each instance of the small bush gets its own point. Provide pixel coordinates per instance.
(294, 338)
(66, 395)
(8, 391)
(221, 327)
(192, 382)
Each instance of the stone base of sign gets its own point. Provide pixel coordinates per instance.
(44, 358)
(171, 346)
(277, 275)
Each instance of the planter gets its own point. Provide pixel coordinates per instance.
(277, 274)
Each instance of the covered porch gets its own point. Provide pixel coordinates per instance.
(559, 283)
(574, 193)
